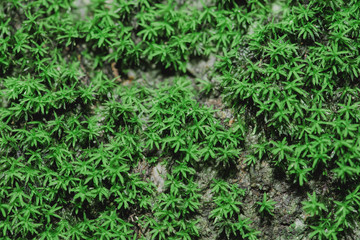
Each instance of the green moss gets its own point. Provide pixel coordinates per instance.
(75, 129)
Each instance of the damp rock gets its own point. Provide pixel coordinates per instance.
(299, 225)
(158, 177)
(131, 74)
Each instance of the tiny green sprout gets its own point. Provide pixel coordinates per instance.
(266, 206)
(206, 85)
(313, 207)
(250, 160)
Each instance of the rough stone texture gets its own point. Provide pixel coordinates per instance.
(158, 177)
(81, 6)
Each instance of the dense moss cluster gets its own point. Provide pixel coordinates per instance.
(78, 137)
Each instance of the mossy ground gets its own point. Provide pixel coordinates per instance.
(173, 119)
